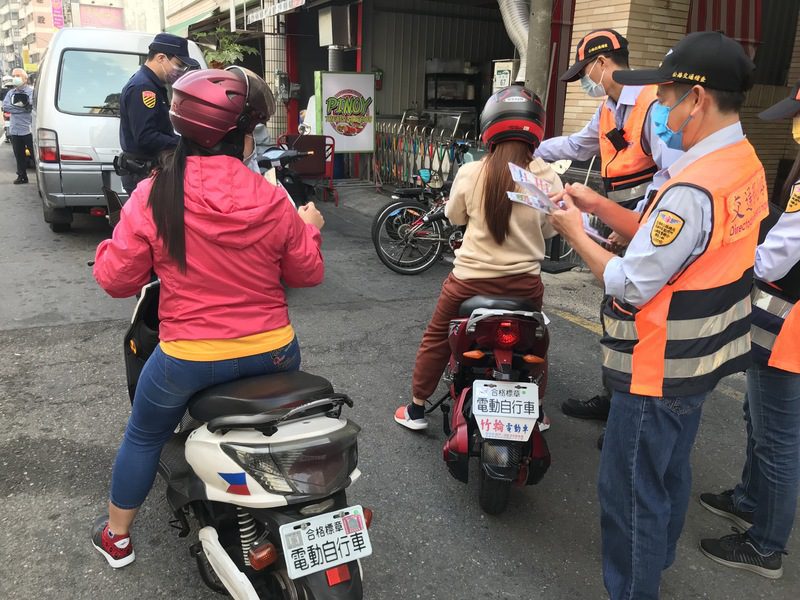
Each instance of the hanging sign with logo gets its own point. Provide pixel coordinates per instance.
(346, 110)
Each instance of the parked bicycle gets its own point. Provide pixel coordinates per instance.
(411, 233)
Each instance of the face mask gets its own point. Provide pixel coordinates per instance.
(660, 115)
(796, 128)
(591, 88)
(173, 75)
(17, 82)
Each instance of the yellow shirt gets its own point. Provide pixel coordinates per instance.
(210, 350)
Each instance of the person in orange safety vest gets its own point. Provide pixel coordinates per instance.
(764, 502)
(677, 313)
(633, 158)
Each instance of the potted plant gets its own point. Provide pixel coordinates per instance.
(225, 50)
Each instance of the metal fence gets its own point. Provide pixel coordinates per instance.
(402, 149)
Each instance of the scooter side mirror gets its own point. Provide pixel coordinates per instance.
(304, 129)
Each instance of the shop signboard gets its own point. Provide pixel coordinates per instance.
(280, 7)
(345, 104)
(58, 14)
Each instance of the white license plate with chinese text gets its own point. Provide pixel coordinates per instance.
(325, 541)
(505, 410)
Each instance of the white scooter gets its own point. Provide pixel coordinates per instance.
(261, 465)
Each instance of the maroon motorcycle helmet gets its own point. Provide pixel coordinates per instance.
(513, 113)
(207, 105)
(260, 104)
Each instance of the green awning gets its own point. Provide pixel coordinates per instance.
(182, 28)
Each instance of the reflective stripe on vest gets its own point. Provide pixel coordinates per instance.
(776, 329)
(632, 166)
(696, 330)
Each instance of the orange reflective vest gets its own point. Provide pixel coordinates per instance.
(776, 328)
(696, 329)
(627, 172)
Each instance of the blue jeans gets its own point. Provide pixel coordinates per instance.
(644, 484)
(164, 389)
(769, 485)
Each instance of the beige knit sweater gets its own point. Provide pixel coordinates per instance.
(480, 257)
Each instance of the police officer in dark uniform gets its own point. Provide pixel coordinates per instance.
(145, 130)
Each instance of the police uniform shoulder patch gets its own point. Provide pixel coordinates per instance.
(149, 98)
(793, 205)
(666, 228)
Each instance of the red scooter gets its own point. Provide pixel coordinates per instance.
(497, 375)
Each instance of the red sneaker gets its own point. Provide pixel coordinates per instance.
(117, 550)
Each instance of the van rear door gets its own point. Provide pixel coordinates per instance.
(87, 96)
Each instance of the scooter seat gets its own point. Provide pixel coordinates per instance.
(494, 303)
(256, 395)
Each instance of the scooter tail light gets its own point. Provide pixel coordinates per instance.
(337, 575)
(368, 516)
(262, 556)
(507, 334)
(474, 354)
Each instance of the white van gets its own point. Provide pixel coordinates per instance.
(76, 116)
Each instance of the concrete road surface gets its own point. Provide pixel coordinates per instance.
(63, 408)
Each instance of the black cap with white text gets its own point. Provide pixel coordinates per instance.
(707, 58)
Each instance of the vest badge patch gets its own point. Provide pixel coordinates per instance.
(149, 99)
(666, 228)
(793, 205)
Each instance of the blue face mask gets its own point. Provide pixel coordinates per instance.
(660, 115)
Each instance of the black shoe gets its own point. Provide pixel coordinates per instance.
(722, 505)
(601, 439)
(596, 407)
(737, 551)
(19, 180)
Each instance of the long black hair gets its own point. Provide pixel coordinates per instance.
(166, 198)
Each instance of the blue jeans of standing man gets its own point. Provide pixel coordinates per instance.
(769, 485)
(164, 389)
(644, 485)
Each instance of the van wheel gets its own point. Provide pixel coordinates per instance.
(60, 227)
(59, 219)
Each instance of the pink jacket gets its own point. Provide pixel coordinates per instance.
(243, 237)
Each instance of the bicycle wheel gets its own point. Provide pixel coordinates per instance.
(557, 248)
(405, 243)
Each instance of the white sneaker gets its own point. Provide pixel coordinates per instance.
(401, 416)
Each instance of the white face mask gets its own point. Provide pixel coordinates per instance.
(590, 87)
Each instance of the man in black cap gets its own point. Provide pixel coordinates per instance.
(676, 318)
(145, 129)
(633, 159)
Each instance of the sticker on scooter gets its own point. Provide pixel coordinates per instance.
(237, 483)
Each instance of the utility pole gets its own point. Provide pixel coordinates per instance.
(538, 60)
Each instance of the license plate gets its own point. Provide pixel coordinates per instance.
(505, 410)
(325, 541)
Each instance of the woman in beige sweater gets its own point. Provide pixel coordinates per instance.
(504, 242)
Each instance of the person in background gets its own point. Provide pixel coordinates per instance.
(7, 84)
(676, 317)
(18, 102)
(764, 502)
(504, 241)
(633, 158)
(144, 126)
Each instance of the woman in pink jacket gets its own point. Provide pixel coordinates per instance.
(223, 241)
